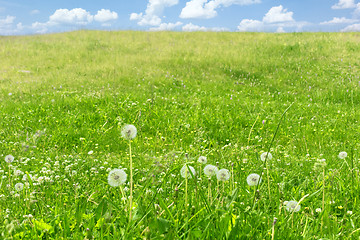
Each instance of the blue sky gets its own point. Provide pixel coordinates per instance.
(19, 17)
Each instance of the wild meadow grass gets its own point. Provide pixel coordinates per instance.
(195, 99)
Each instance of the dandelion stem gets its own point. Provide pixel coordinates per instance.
(268, 178)
(131, 183)
(323, 200)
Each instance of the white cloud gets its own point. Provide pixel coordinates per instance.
(6, 21)
(8, 27)
(336, 20)
(275, 20)
(280, 30)
(195, 28)
(249, 25)
(34, 12)
(206, 9)
(76, 16)
(153, 12)
(352, 28)
(278, 14)
(105, 15)
(166, 26)
(343, 4)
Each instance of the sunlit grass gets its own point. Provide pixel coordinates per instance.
(64, 99)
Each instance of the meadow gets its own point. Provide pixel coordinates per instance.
(228, 97)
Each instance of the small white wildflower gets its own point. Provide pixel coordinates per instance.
(223, 175)
(349, 212)
(202, 159)
(9, 158)
(318, 210)
(253, 179)
(116, 177)
(128, 132)
(90, 152)
(292, 206)
(184, 172)
(265, 155)
(16, 195)
(210, 170)
(19, 187)
(342, 155)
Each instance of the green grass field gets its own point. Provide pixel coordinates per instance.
(65, 97)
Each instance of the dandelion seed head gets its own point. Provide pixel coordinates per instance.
(253, 179)
(9, 158)
(116, 177)
(128, 132)
(19, 187)
(292, 206)
(263, 156)
(210, 170)
(202, 159)
(342, 155)
(184, 172)
(223, 175)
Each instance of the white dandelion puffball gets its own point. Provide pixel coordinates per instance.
(128, 132)
(202, 159)
(116, 177)
(19, 187)
(263, 156)
(223, 175)
(342, 155)
(210, 170)
(253, 179)
(185, 171)
(292, 206)
(9, 158)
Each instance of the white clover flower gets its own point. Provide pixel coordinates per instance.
(292, 206)
(116, 177)
(210, 170)
(263, 156)
(253, 179)
(202, 159)
(184, 172)
(9, 158)
(19, 187)
(342, 155)
(128, 132)
(223, 175)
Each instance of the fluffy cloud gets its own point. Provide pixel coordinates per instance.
(206, 9)
(166, 26)
(352, 28)
(77, 16)
(105, 15)
(8, 27)
(249, 25)
(280, 30)
(336, 20)
(153, 10)
(275, 20)
(278, 14)
(195, 28)
(343, 4)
